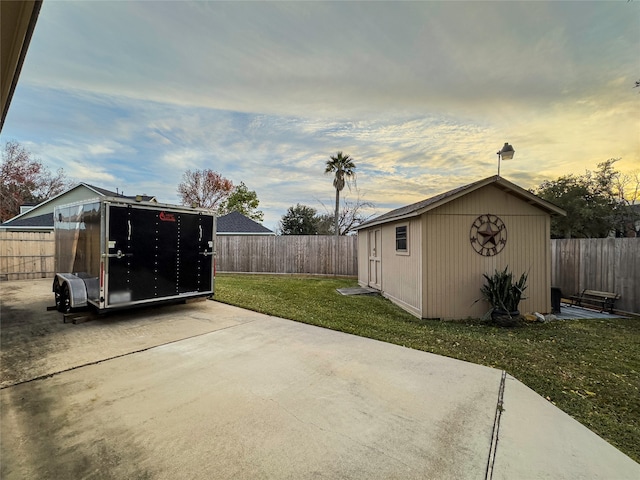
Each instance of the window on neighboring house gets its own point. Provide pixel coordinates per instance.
(401, 239)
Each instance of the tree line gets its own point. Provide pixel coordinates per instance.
(598, 204)
(208, 189)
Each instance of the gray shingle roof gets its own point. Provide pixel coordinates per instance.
(44, 220)
(235, 222)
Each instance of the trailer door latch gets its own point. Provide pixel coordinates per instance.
(119, 254)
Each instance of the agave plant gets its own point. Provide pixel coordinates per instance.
(501, 292)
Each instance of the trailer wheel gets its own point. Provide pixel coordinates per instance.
(64, 298)
(57, 293)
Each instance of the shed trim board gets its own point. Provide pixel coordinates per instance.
(374, 247)
(441, 273)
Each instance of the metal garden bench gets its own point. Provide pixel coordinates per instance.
(595, 298)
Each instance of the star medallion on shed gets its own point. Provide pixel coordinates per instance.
(488, 235)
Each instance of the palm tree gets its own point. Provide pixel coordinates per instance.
(344, 169)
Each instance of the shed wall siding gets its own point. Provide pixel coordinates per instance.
(453, 270)
(401, 273)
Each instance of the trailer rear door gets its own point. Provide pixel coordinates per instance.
(157, 254)
(195, 249)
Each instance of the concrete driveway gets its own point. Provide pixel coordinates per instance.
(205, 390)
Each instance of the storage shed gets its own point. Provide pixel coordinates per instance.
(429, 257)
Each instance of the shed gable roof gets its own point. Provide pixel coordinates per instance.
(418, 208)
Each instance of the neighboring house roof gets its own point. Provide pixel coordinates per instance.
(41, 216)
(416, 209)
(44, 220)
(235, 223)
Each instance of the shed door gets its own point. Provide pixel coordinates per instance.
(375, 267)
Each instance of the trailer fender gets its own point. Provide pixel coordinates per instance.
(76, 286)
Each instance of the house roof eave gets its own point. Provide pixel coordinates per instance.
(18, 228)
(374, 223)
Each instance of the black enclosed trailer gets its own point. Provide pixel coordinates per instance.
(118, 253)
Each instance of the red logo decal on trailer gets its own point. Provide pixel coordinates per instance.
(167, 217)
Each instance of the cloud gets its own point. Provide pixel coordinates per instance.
(353, 58)
(420, 94)
(89, 174)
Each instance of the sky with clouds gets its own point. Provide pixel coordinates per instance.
(421, 95)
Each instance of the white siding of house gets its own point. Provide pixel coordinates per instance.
(76, 195)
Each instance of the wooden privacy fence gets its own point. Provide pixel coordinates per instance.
(26, 255)
(605, 264)
(312, 254)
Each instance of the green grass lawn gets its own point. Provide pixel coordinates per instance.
(588, 368)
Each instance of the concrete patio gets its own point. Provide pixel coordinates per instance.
(207, 390)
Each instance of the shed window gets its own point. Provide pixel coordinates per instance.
(401, 239)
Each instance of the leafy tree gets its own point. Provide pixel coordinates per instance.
(344, 169)
(299, 220)
(204, 188)
(595, 203)
(25, 180)
(585, 211)
(303, 220)
(244, 201)
(325, 224)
